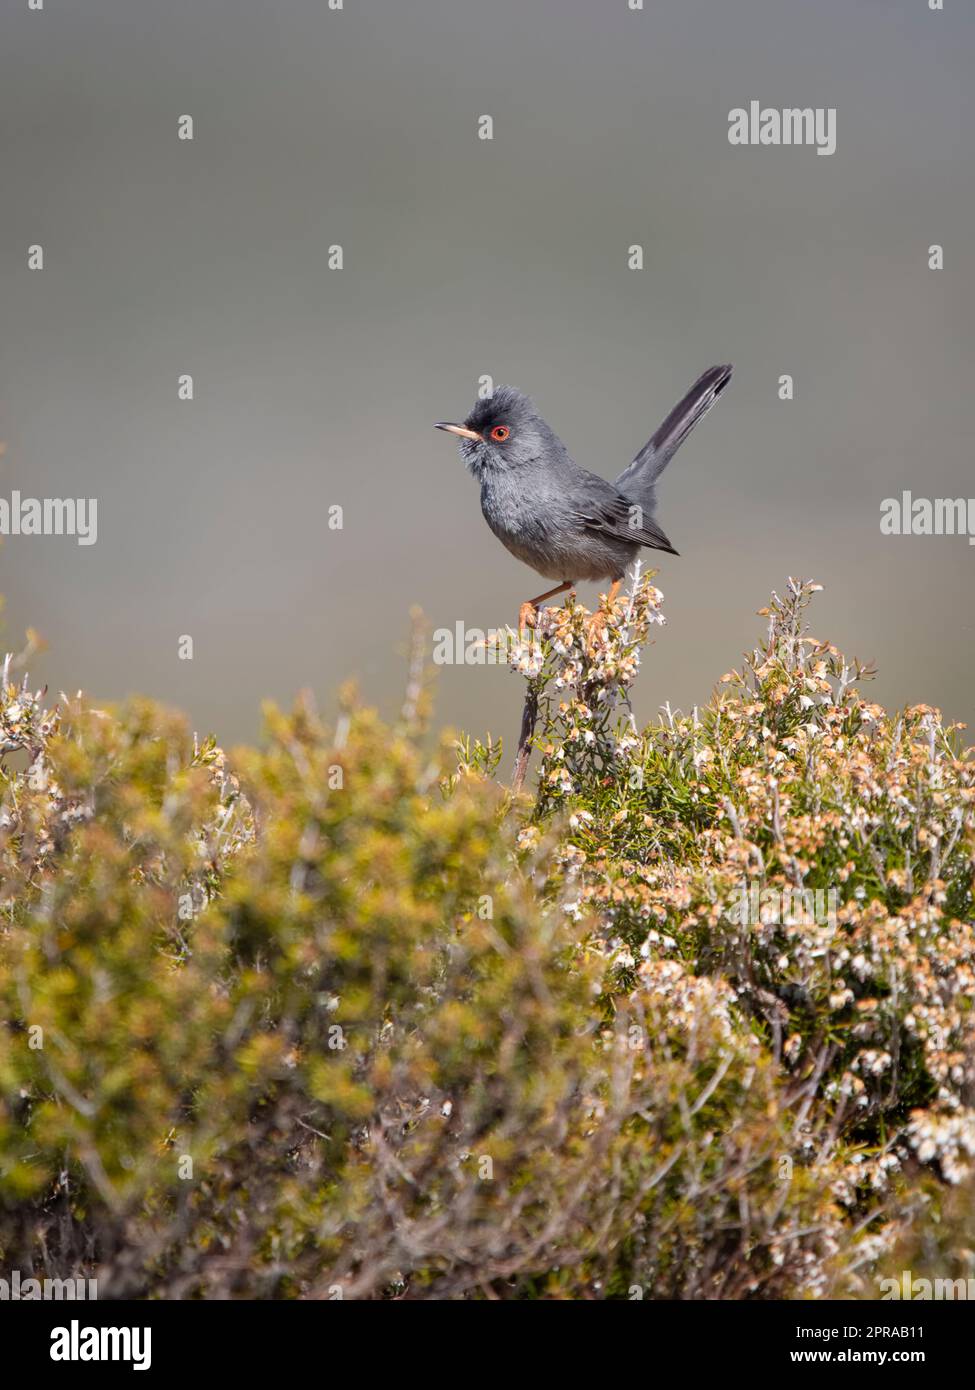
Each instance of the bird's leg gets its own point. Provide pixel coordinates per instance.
(526, 614)
(601, 616)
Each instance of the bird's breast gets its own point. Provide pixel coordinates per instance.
(512, 512)
(527, 522)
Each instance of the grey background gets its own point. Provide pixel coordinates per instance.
(466, 257)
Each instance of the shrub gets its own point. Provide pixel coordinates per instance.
(342, 1017)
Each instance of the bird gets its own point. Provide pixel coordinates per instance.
(563, 521)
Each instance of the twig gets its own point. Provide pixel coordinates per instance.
(528, 719)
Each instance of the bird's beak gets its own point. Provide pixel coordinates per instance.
(457, 429)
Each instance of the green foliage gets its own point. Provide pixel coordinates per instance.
(341, 1017)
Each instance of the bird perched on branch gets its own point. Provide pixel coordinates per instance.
(567, 523)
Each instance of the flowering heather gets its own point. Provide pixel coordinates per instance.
(690, 1015)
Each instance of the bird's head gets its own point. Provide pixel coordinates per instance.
(503, 431)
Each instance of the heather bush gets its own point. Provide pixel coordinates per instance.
(345, 1016)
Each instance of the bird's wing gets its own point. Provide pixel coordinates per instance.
(607, 512)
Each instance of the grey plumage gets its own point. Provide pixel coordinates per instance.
(563, 521)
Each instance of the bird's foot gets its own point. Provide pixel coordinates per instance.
(528, 615)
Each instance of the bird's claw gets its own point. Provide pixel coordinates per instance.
(528, 613)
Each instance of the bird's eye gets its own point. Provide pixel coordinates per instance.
(500, 433)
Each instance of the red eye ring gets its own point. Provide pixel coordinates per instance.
(500, 433)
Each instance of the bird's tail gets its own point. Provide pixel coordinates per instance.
(637, 479)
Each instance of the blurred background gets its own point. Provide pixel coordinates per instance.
(463, 257)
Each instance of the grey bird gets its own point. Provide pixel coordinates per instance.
(567, 523)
